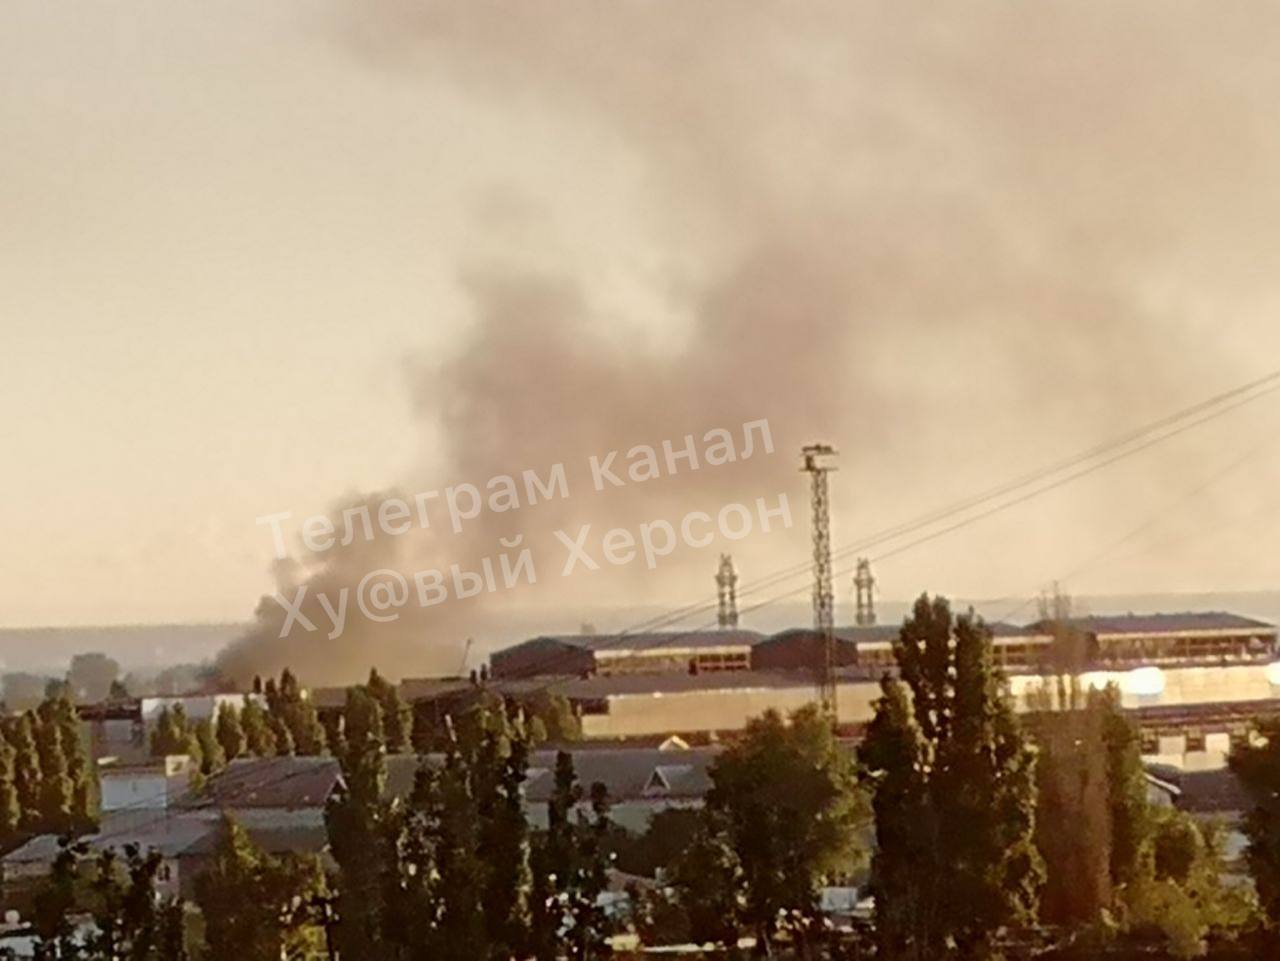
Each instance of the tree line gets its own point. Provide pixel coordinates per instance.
(281, 720)
(46, 781)
(978, 833)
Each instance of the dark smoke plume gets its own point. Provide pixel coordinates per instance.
(953, 244)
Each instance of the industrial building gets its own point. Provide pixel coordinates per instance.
(871, 646)
(1209, 636)
(1193, 675)
(665, 652)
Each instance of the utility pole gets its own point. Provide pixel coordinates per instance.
(727, 588)
(817, 467)
(864, 587)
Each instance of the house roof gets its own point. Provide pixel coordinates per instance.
(276, 832)
(169, 834)
(179, 833)
(627, 774)
(1178, 623)
(1216, 791)
(427, 688)
(276, 782)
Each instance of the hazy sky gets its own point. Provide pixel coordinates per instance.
(259, 257)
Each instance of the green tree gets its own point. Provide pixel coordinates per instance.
(281, 736)
(172, 734)
(26, 768)
(1178, 899)
(295, 721)
(212, 757)
(589, 924)
(128, 915)
(57, 790)
(54, 903)
(908, 854)
(669, 834)
(257, 907)
(570, 863)
(397, 717)
(788, 798)
(10, 805)
(1131, 823)
(953, 756)
(553, 861)
(358, 822)
(1073, 788)
(706, 879)
(554, 715)
(258, 737)
(1257, 765)
(229, 733)
(91, 676)
(59, 714)
(466, 830)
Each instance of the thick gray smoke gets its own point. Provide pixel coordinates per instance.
(953, 243)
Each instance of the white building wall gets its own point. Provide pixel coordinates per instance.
(155, 786)
(642, 715)
(196, 706)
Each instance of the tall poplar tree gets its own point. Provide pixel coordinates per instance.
(229, 733)
(957, 761)
(26, 769)
(358, 824)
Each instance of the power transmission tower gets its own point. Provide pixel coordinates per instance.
(817, 467)
(727, 585)
(864, 586)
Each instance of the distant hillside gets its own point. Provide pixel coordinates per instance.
(41, 650)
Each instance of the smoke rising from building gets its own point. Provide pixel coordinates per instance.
(951, 244)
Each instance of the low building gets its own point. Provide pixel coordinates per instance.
(630, 706)
(114, 729)
(167, 833)
(153, 784)
(280, 803)
(1215, 795)
(197, 707)
(639, 781)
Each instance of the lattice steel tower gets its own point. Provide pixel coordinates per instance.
(864, 587)
(816, 466)
(727, 586)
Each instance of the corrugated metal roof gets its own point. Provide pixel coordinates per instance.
(168, 833)
(178, 833)
(1176, 623)
(646, 641)
(1217, 791)
(275, 782)
(628, 774)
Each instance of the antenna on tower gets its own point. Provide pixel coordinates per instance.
(727, 585)
(816, 466)
(864, 586)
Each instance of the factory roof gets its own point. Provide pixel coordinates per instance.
(887, 633)
(648, 640)
(656, 685)
(1179, 623)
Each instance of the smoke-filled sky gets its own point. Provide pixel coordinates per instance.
(282, 257)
